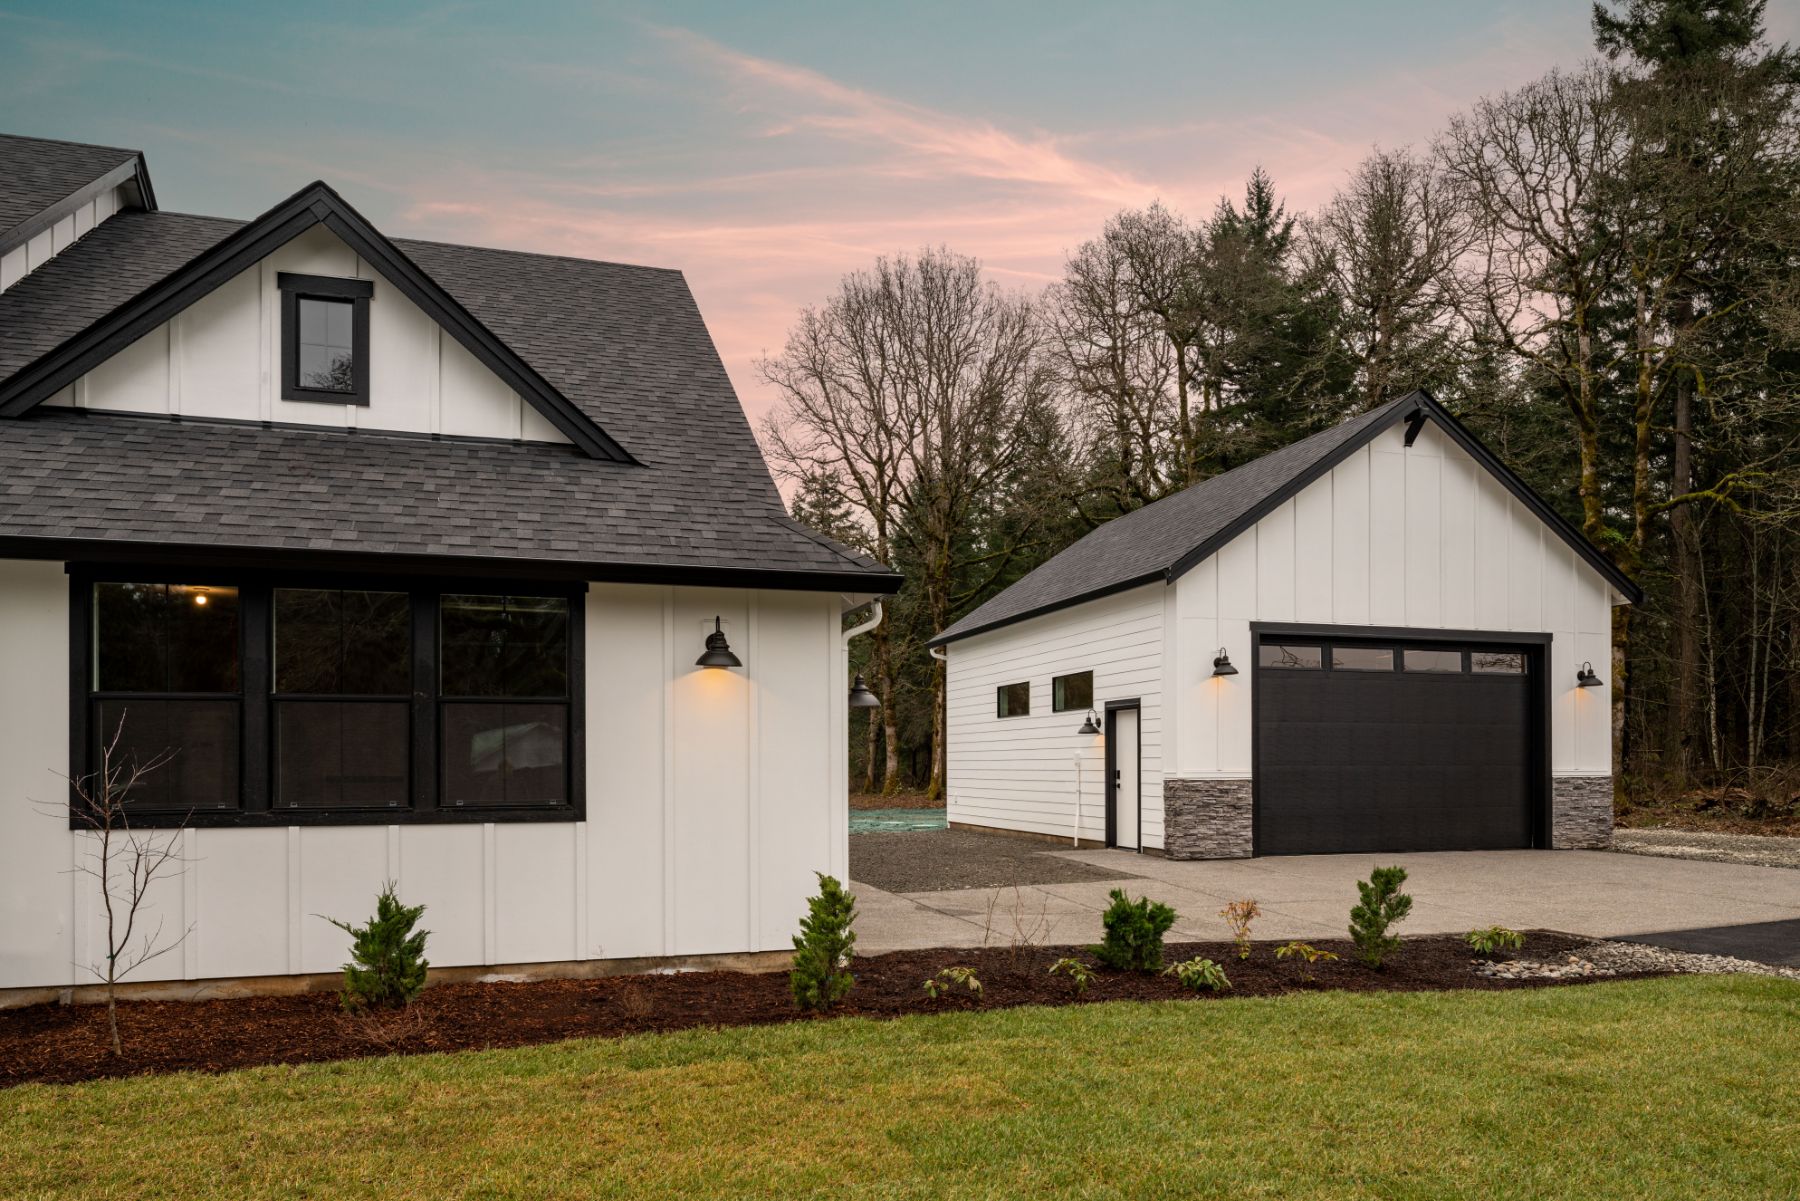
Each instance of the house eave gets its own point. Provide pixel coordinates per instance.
(268, 558)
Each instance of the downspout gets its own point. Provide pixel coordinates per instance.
(865, 627)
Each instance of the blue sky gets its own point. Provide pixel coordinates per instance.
(764, 149)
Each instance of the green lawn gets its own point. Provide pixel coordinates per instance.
(1679, 1088)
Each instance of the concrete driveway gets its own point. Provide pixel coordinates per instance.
(1595, 893)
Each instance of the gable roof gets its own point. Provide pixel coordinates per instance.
(42, 180)
(315, 204)
(1165, 539)
(625, 345)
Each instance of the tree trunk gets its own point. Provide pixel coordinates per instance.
(1678, 752)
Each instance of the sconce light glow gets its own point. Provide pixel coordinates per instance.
(718, 651)
(1222, 664)
(1585, 678)
(861, 697)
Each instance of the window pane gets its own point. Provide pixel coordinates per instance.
(1362, 658)
(1497, 661)
(1013, 700)
(165, 638)
(1434, 661)
(1272, 654)
(500, 646)
(326, 351)
(328, 641)
(348, 754)
(1072, 691)
(504, 754)
(131, 638)
(198, 741)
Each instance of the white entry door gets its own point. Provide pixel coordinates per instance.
(1127, 792)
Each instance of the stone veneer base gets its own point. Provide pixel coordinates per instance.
(1581, 813)
(1207, 819)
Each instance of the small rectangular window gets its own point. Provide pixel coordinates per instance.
(1013, 700)
(1362, 658)
(1281, 655)
(1439, 661)
(325, 338)
(1497, 662)
(1074, 691)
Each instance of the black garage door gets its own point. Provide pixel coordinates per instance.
(1392, 746)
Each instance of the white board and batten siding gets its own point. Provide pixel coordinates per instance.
(46, 244)
(1019, 773)
(1419, 537)
(221, 358)
(711, 798)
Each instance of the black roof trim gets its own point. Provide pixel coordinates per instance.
(315, 204)
(113, 550)
(1413, 408)
(132, 169)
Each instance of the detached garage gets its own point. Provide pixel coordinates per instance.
(1375, 639)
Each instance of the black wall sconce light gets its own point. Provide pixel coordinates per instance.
(718, 651)
(1089, 726)
(1222, 664)
(1585, 678)
(861, 697)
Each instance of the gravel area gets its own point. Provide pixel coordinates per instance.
(1762, 850)
(936, 860)
(1606, 958)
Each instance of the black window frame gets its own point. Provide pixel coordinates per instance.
(257, 762)
(1058, 688)
(295, 288)
(1000, 706)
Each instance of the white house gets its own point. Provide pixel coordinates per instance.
(1375, 639)
(408, 552)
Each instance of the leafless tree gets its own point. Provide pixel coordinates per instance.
(125, 862)
(1388, 243)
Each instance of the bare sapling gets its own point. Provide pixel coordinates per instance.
(125, 862)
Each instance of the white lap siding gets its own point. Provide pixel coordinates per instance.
(712, 796)
(1019, 773)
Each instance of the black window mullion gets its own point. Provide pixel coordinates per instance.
(424, 702)
(253, 626)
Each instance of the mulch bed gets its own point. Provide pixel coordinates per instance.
(66, 1043)
(936, 860)
(900, 800)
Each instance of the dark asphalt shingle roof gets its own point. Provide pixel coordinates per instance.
(1146, 543)
(69, 474)
(625, 344)
(35, 173)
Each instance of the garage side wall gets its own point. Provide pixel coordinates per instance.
(712, 796)
(1020, 773)
(1419, 537)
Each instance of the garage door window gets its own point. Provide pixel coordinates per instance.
(1442, 661)
(1497, 662)
(1362, 658)
(1297, 658)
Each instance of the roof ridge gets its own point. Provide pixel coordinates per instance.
(26, 137)
(830, 544)
(538, 254)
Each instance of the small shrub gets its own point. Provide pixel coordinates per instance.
(387, 956)
(1492, 940)
(1382, 905)
(1199, 975)
(1305, 952)
(1238, 915)
(823, 948)
(1134, 933)
(1080, 973)
(950, 979)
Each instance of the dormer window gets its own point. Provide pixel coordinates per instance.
(325, 338)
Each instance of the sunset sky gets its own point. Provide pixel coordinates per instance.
(763, 149)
